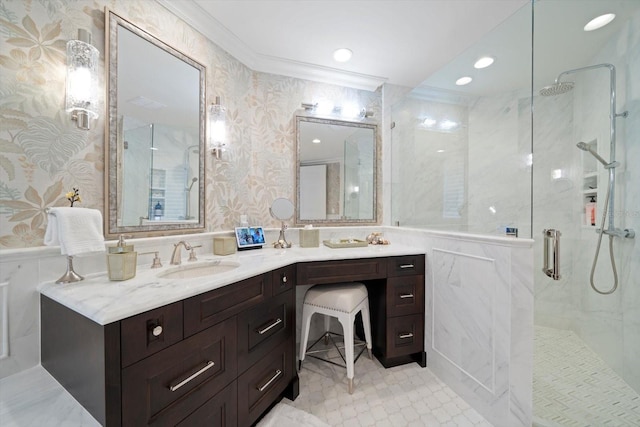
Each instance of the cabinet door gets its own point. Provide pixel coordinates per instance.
(219, 411)
(283, 279)
(405, 335)
(405, 295)
(406, 265)
(350, 270)
(212, 307)
(263, 328)
(260, 385)
(166, 387)
(149, 332)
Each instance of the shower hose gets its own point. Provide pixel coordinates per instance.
(595, 257)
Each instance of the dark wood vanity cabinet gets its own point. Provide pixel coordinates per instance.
(396, 299)
(220, 358)
(397, 312)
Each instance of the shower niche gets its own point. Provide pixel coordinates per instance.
(590, 185)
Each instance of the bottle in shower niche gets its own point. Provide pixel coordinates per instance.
(590, 211)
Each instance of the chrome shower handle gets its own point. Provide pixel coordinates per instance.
(551, 237)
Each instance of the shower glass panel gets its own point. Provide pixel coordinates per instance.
(461, 155)
(498, 154)
(586, 369)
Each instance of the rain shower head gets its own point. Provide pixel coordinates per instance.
(586, 147)
(558, 88)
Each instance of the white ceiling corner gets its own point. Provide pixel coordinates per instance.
(193, 14)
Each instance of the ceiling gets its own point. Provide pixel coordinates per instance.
(401, 42)
(421, 44)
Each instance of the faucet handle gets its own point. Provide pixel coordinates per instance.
(192, 254)
(156, 259)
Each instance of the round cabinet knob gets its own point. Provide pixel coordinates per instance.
(157, 331)
(284, 279)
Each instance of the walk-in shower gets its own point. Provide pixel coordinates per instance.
(558, 88)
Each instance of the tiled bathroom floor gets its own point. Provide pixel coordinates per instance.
(403, 396)
(572, 386)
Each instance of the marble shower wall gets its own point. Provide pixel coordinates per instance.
(609, 324)
(43, 154)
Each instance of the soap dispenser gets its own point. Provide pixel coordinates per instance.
(121, 260)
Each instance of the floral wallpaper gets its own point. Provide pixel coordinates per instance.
(43, 155)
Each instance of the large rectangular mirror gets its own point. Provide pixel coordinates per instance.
(155, 146)
(336, 178)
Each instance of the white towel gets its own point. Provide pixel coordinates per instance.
(78, 231)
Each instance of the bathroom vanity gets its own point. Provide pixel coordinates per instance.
(220, 349)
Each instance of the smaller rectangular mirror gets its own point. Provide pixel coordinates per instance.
(336, 182)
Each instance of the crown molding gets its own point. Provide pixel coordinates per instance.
(216, 32)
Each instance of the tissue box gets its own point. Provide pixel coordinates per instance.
(224, 245)
(309, 238)
(122, 266)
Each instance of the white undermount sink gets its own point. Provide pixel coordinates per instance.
(199, 270)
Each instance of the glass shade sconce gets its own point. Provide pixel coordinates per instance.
(217, 128)
(82, 80)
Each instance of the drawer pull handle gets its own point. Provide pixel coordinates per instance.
(405, 336)
(403, 296)
(407, 266)
(274, 324)
(284, 279)
(208, 366)
(268, 383)
(157, 331)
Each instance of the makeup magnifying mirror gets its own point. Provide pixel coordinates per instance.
(282, 209)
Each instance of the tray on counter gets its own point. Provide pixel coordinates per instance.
(346, 243)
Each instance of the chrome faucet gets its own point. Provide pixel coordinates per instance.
(176, 257)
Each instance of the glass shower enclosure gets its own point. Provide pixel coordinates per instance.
(526, 149)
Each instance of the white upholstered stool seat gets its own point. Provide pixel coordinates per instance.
(342, 301)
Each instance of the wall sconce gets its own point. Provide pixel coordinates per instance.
(82, 80)
(217, 128)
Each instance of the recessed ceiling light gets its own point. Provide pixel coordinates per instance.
(439, 151)
(599, 21)
(484, 62)
(342, 55)
(463, 81)
(315, 141)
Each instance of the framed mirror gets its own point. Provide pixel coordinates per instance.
(336, 165)
(155, 137)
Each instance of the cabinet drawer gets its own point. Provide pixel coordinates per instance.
(212, 307)
(283, 279)
(405, 295)
(405, 265)
(167, 386)
(263, 328)
(405, 335)
(318, 272)
(149, 332)
(261, 384)
(221, 410)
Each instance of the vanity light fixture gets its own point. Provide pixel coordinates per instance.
(326, 108)
(599, 21)
(217, 128)
(484, 62)
(82, 80)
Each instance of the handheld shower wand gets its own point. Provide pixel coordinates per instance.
(586, 147)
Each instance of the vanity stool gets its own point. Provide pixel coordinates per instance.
(342, 301)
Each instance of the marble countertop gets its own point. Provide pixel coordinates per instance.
(105, 301)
